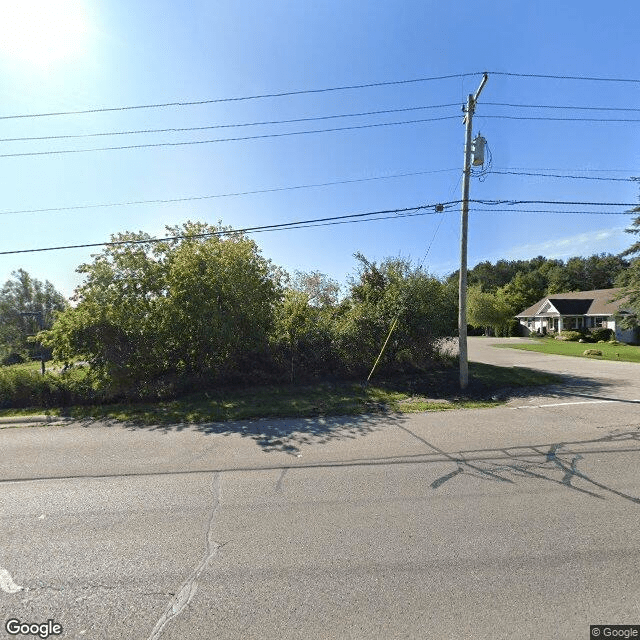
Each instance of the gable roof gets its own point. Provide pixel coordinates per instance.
(599, 302)
(572, 307)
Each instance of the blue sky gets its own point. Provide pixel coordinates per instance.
(69, 55)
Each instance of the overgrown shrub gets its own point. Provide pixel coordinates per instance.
(571, 336)
(20, 388)
(601, 334)
(159, 321)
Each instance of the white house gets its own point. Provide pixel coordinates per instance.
(577, 310)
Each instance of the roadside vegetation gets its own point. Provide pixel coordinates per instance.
(200, 324)
(431, 391)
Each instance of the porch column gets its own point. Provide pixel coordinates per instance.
(559, 325)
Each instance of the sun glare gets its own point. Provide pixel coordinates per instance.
(41, 31)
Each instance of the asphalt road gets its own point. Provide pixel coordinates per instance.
(515, 522)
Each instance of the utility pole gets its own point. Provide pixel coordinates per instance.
(462, 290)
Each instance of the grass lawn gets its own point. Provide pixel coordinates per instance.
(435, 391)
(620, 352)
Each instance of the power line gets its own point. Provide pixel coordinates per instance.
(583, 170)
(229, 126)
(557, 202)
(527, 171)
(559, 106)
(563, 77)
(558, 119)
(237, 139)
(226, 195)
(354, 217)
(405, 212)
(558, 211)
(281, 94)
(556, 175)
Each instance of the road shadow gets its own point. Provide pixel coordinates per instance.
(557, 463)
(287, 435)
(575, 386)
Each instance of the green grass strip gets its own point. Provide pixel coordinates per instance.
(618, 352)
(432, 391)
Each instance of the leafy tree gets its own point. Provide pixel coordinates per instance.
(522, 291)
(149, 316)
(424, 307)
(631, 281)
(487, 310)
(23, 294)
(305, 321)
(308, 331)
(320, 289)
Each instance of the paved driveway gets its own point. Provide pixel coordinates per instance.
(597, 379)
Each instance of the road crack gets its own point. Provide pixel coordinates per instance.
(187, 591)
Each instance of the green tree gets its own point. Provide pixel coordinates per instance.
(424, 307)
(23, 294)
(522, 291)
(631, 280)
(321, 290)
(488, 310)
(157, 315)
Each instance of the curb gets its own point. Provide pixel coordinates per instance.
(31, 419)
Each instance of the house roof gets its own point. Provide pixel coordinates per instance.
(599, 302)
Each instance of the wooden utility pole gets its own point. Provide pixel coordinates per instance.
(462, 290)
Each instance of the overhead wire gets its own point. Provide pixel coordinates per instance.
(557, 119)
(563, 77)
(215, 140)
(581, 169)
(271, 227)
(303, 224)
(259, 96)
(308, 186)
(228, 126)
(556, 211)
(557, 202)
(228, 195)
(558, 106)
(297, 92)
(321, 118)
(556, 175)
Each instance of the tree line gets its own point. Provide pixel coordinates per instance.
(497, 292)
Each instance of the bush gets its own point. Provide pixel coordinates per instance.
(20, 388)
(601, 334)
(571, 336)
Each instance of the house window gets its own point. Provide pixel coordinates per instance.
(600, 321)
(572, 323)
